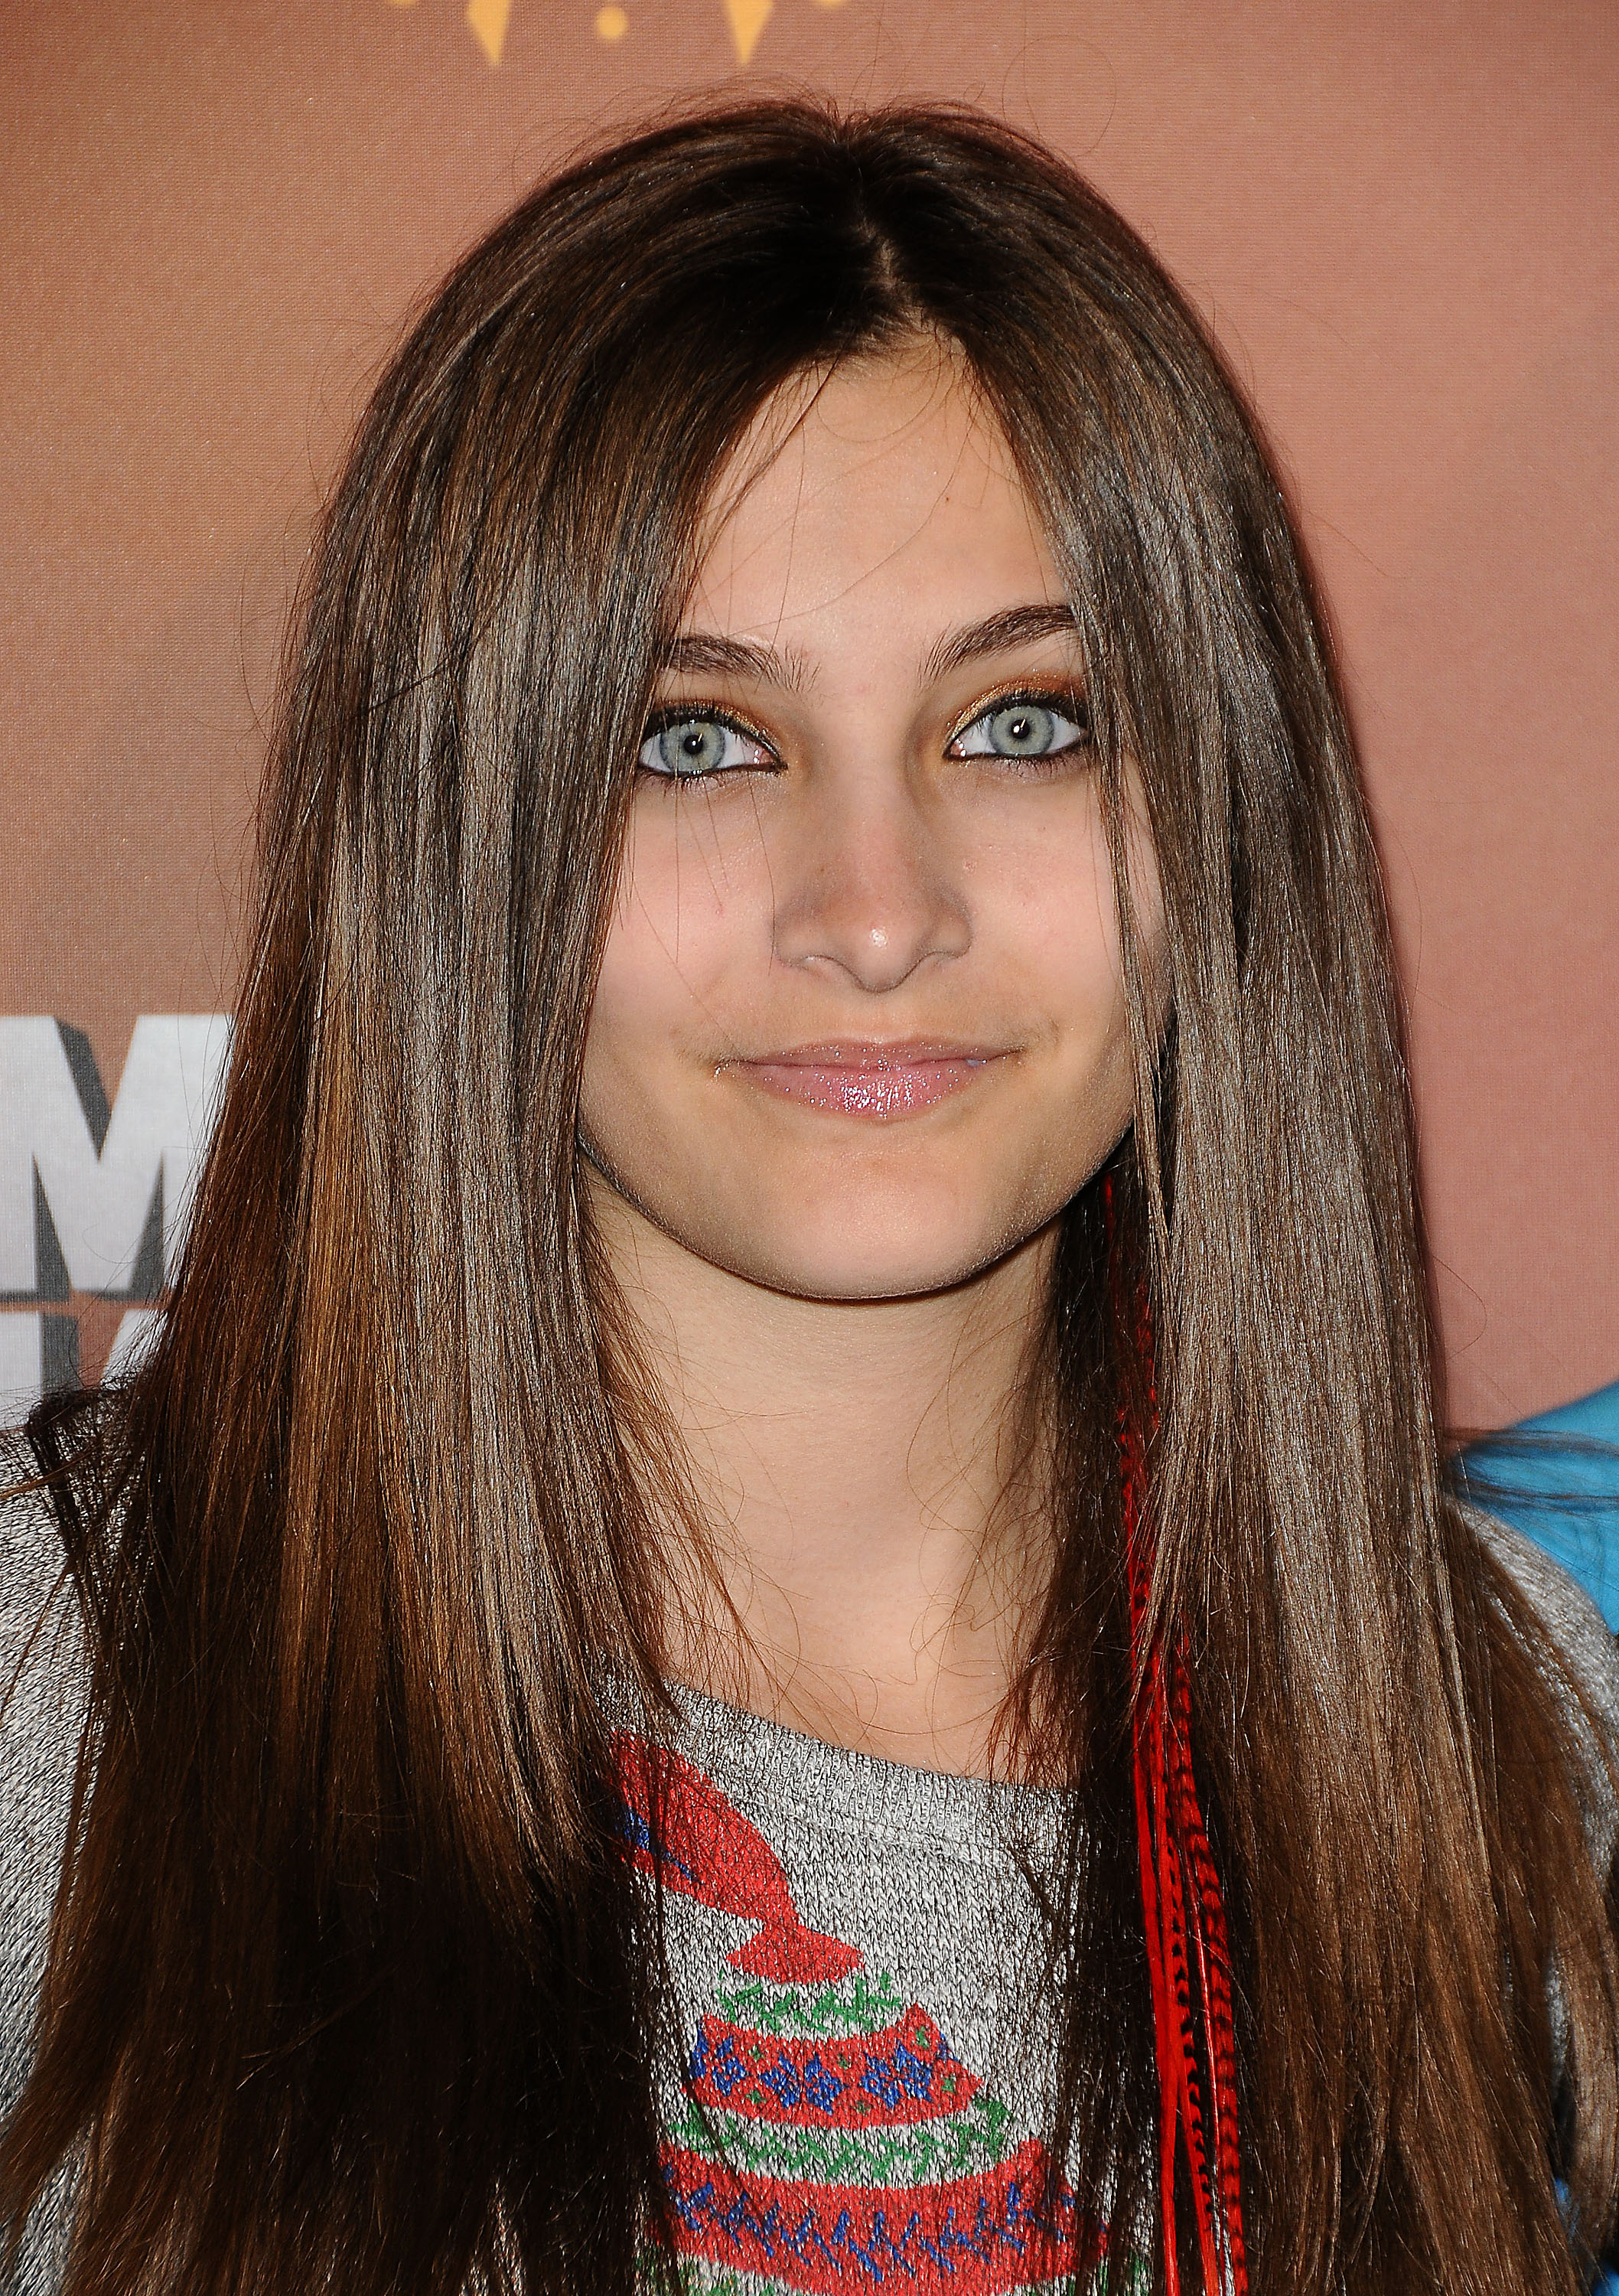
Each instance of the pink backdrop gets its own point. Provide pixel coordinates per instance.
(1402, 221)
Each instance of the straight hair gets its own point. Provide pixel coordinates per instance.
(348, 1985)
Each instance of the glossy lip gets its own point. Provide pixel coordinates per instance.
(878, 1082)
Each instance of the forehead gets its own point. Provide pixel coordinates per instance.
(880, 505)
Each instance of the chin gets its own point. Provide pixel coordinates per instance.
(856, 1257)
(836, 1279)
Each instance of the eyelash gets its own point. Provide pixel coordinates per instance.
(705, 713)
(1062, 703)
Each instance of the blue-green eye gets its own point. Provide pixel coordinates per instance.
(1024, 726)
(693, 749)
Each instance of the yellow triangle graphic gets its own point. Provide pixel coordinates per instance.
(488, 19)
(747, 20)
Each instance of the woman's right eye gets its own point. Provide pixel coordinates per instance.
(695, 748)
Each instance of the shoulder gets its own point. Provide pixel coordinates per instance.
(1571, 1620)
(1588, 1650)
(42, 1645)
(42, 1717)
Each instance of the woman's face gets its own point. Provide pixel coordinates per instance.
(860, 1028)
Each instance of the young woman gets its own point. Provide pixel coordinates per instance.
(781, 1610)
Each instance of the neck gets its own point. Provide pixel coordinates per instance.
(862, 1469)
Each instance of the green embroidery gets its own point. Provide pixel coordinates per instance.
(919, 2152)
(813, 2012)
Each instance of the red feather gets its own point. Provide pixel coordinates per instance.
(1183, 1906)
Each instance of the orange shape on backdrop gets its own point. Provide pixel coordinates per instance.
(488, 19)
(747, 19)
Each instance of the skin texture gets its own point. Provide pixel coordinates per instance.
(838, 1258)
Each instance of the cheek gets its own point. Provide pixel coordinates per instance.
(697, 878)
(1048, 907)
(1062, 918)
(1048, 924)
(686, 921)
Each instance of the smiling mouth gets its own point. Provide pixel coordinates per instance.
(878, 1082)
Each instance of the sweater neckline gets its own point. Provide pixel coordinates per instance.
(844, 1790)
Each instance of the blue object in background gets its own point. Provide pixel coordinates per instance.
(1557, 1479)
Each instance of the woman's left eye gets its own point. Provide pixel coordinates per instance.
(1022, 726)
(692, 749)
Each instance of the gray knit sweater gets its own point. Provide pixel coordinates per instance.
(852, 2096)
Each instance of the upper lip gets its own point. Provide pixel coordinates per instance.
(873, 1053)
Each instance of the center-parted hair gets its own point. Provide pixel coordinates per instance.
(348, 1988)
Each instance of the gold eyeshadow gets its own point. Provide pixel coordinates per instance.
(1070, 701)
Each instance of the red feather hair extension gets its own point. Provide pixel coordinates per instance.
(1183, 1906)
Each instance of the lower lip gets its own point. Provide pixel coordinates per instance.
(898, 1088)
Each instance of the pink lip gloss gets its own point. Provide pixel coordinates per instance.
(880, 1083)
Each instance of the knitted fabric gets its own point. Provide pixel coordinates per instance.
(856, 2073)
(856, 2076)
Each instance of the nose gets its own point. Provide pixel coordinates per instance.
(866, 890)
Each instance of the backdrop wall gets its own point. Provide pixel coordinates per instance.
(1400, 218)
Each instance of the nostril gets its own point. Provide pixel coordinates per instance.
(877, 958)
(874, 927)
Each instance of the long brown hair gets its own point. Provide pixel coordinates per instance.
(347, 1985)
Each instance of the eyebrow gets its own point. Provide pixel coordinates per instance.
(702, 654)
(1019, 625)
(698, 653)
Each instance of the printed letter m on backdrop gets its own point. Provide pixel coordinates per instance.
(95, 1198)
